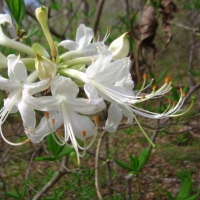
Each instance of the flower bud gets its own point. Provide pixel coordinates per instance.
(119, 47)
(45, 67)
(42, 15)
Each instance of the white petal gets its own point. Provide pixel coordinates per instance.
(101, 64)
(28, 115)
(5, 18)
(69, 44)
(47, 103)
(8, 85)
(114, 118)
(45, 127)
(85, 107)
(127, 113)
(16, 69)
(14, 109)
(64, 87)
(81, 123)
(39, 86)
(91, 93)
(84, 36)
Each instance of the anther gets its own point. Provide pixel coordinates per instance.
(47, 115)
(174, 103)
(27, 140)
(59, 133)
(96, 120)
(143, 96)
(181, 89)
(83, 133)
(183, 94)
(167, 79)
(53, 121)
(169, 100)
(145, 76)
(154, 88)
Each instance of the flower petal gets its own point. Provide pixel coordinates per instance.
(16, 69)
(5, 18)
(81, 123)
(65, 87)
(69, 44)
(114, 118)
(85, 107)
(47, 103)
(39, 86)
(7, 85)
(28, 115)
(45, 127)
(91, 93)
(84, 36)
(101, 64)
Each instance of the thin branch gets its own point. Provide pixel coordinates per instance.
(31, 161)
(192, 89)
(98, 15)
(62, 171)
(128, 179)
(108, 167)
(192, 29)
(97, 166)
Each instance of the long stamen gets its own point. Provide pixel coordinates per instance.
(147, 137)
(11, 143)
(4, 112)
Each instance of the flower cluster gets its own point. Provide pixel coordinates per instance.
(102, 71)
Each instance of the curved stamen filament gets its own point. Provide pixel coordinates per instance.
(12, 143)
(147, 137)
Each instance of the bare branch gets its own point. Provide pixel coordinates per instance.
(97, 166)
(98, 15)
(62, 171)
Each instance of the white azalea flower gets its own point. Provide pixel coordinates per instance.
(82, 46)
(5, 41)
(111, 80)
(19, 80)
(65, 109)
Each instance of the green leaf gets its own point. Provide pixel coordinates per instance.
(175, 94)
(162, 76)
(170, 196)
(17, 9)
(53, 146)
(185, 190)
(47, 158)
(134, 162)
(143, 158)
(193, 73)
(193, 197)
(122, 165)
(24, 191)
(17, 191)
(61, 193)
(13, 195)
(65, 151)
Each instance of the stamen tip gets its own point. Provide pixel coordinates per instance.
(167, 79)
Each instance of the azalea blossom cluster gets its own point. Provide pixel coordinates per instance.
(102, 71)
